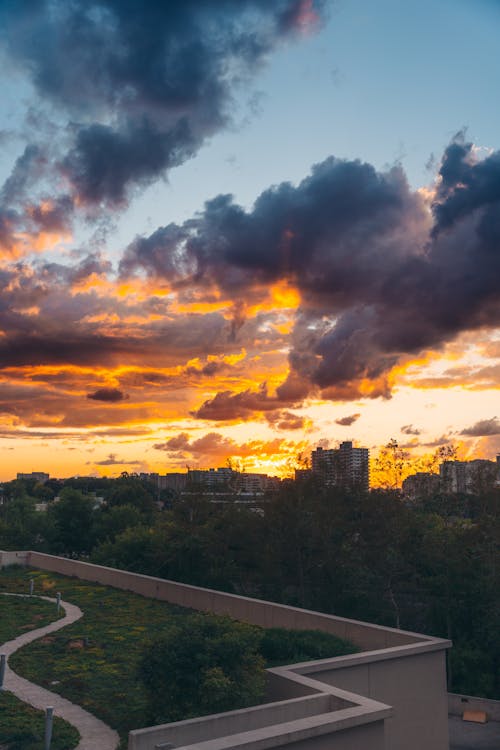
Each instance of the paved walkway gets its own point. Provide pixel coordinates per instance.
(95, 734)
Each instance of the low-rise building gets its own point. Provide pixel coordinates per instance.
(38, 476)
(420, 485)
(468, 477)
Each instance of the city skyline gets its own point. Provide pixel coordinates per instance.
(245, 230)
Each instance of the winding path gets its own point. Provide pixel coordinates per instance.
(94, 733)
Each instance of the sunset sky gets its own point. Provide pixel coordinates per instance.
(243, 228)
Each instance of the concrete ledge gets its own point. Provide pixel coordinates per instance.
(380, 698)
(13, 558)
(367, 636)
(225, 730)
(457, 704)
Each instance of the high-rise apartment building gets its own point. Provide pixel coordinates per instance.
(344, 466)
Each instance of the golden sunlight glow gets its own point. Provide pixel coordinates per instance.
(27, 243)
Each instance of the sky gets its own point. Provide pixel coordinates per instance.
(236, 230)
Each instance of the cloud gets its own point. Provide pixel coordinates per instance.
(143, 86)
(209, 368)
(110, 395)
(286, 420)
(229, 406)
(211, 444)
(409, 429)
(342, 274)
(483, 428)
(471, 377)
(112, 460)
(347, 421)
(215, 449)
(380, 278)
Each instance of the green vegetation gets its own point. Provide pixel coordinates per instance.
(93, 662)
(18, 615)
(282, 646)
(203, 665)
(96, 662)
(23, 727)
(433, 567)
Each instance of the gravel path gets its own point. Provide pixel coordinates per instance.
(95, 734)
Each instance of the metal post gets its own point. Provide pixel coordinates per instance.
(32, 586)
(49, 718)
(58, 601)
(3, 662)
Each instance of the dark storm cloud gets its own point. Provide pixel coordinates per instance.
(378, 282)
(110, 395)
(348, 421)
(24, 209)
(57, 273)
(26, 170)
(145, 83)
(330, 234)
(48, 317)
(56, 343)
(483, 428)
(466, 183)
(8, 221)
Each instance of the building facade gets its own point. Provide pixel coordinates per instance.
(344, 466)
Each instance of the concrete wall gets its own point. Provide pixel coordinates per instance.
(13, 558)
(414, 683)
(392, 696)
(298, 735)
(457, 704)
(259, 612)
(329, 719)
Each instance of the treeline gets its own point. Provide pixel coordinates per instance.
(433, 568)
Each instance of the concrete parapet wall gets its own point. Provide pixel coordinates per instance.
(410, 680)
(391, 696)
(316, 721)
(226, 724)
(259, 612)
(13, 558)
(457, 704)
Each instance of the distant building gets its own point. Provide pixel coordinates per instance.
(468, 477)
(419, 485)
(344, 466)
(211, 477)
(175, 481)
(302, 475)
(38, 476)
(254, 484)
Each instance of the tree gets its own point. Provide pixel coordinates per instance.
(110, 522)
(72, 515)
(392, 465)
(205, 664)
(430, 462)
(21, 526)
(129, 490)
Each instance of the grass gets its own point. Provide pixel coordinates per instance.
(94, 662)
(23, 727)
(18, 615)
